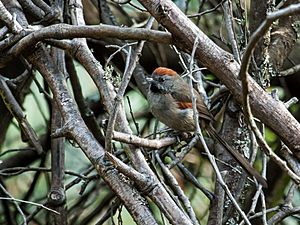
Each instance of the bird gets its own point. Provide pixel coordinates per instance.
(170, 101)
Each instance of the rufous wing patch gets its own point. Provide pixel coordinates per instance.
(185, 105)
(164, 71)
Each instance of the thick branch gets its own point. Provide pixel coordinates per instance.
(65, 31)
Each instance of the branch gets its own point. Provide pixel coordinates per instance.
(290, 71)
(65, 31)
(228, 16)
(143, 142)
(28, 202)
(177, 189)
(284, 36)
(9, 20)
(16, 110)
(15, 203)
(144, 182)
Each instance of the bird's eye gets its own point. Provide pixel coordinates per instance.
(161, 79)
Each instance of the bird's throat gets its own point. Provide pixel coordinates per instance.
(157, 89)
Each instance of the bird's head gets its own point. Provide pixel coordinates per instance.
(162, 80)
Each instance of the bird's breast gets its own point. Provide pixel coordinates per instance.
(166, 110)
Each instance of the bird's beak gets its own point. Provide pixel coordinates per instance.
(148, 80)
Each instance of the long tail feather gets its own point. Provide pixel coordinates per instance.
(237, 156)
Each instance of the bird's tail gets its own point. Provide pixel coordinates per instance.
(236, 155)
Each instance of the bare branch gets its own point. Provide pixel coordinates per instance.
(65, 31)
(28, 202)
(143, 142)
(290, 71)
(14, 202)
(9, 20)
(16, 110)
(227, 5)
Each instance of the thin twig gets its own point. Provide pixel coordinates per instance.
(184, 152)
(131, 64)
(132, 116)
(78, 179)
(16, 150)
(171, 179)
(31, 203)
(210, 156)
(290, 71)
(10, 197)
(19, 170)
(191, 178)
(291, 102)
(262, 195)
(16, 110)
(259, 214)
(122, 48)
(227, 5)
(207, 11)
(117, 103)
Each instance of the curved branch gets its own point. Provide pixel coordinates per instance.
(65, 31)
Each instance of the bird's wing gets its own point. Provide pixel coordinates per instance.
(184, 101)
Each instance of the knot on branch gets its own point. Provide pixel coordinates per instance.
(56, 196)
(148, 185)
(104, 164)
(61, 132)
(286, 207)
(162, 10)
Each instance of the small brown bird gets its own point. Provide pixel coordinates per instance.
(171, 102)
